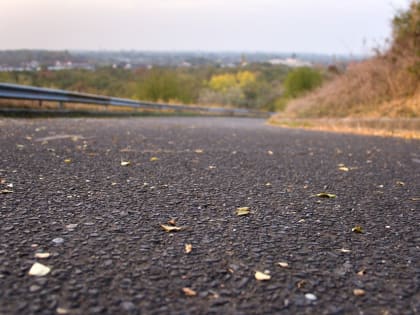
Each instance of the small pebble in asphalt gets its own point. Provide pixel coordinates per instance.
(127, 305)
(310, 297)
(58, 241)
(34, 288)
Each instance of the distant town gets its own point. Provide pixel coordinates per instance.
(37, 60)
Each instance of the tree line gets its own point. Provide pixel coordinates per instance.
(255, 86)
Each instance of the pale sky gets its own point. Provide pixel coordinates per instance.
(321, 26)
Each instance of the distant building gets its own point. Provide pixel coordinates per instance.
(70, 65)
(290, 62)
(185, 64)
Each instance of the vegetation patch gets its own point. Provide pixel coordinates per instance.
(387, 85)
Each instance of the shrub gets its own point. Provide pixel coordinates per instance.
(301, 80)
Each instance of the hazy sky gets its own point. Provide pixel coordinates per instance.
(325, 26)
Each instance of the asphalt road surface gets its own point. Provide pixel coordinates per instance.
(65, 192)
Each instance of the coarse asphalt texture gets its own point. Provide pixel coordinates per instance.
(65, 192)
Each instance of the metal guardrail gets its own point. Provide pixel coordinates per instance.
(24, 92)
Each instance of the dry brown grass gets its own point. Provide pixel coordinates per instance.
(385, 127)
(27, 104)
(387, 85)
(338, 99)
(76, 107)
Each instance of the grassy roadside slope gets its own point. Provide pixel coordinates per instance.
(386, 86)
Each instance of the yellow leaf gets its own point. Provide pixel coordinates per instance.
(42, 255)
(359, 292)
(39, 270)
(344, 168)
(189, 292)
(242, 211)
(357, 229)
(283, 264)
(125, 163)
(188, 248)
(154, 158)
(169, 228)
(67, 161)
(261, 276)
(325, 195)
(62, 311)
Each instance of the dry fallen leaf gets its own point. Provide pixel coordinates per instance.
(344, 250)
(400, 183)
(42, 255)
(169, 228)
(283, 264)
(361, 272)
(359, 292)
(67, 161)
(62, 311)
(6, 191)
(242, 211)
(125, 163)
(261, 276)
(154, 158)
(270, 152)
(198, 151)
(325, 195)
(172, 222)
(39, 270)
(2, 181)
(357, 229)
(344, 168)
(188, 248)
(71, 226)
(212, 167)
(189, 292)
(301, 284)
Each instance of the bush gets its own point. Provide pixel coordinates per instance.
(301, 80)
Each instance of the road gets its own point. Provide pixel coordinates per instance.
(67, 192)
